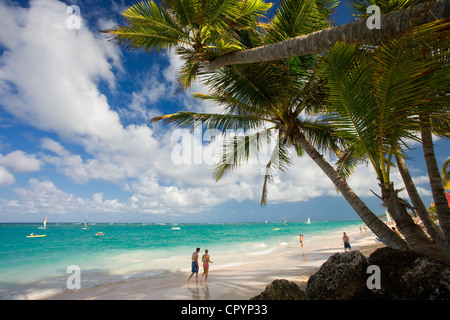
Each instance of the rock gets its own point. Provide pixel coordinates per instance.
(409, 275)
(281, 289)
(342, 277)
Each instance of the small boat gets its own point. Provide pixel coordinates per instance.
(309, 221)
(276, 229)
(175, 228)
(44, 224)
(36, 235)
(100, 233)
(85, 224)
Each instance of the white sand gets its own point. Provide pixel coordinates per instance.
(232, 282)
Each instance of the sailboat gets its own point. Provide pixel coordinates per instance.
(309, 221)
(85, 224)
(44, 224)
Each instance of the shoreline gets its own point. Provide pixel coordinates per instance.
(236, 282)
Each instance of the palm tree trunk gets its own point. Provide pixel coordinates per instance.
(416, 239)
(420, 208)
(437, 187)
(388, 236)
(392, 24)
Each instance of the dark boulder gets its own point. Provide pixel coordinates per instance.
(281, 289)
(410, 275)
(342, 277)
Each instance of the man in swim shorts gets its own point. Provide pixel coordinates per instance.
(346, 240)
(194, 265)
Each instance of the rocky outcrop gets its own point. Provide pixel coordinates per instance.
(342, 277)
(409, 275)
(403, 275)
(281, 289)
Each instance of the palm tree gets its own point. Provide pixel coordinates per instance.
(419, 206)
(433, 118)
(273, 99)
(197, 29)
(374, 92)
(393, 24)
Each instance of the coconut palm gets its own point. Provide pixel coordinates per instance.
(197, 29)
(433, 117)
(419, 207)
(393, 24)
(375, 94)
(278, 101)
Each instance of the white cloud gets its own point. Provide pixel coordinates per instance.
(6, 178)
(44, 196)
(19, 162)
(49, 73)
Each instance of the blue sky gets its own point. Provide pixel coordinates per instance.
(75, 137)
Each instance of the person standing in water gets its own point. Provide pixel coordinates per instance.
(206, 261)
(194, 265)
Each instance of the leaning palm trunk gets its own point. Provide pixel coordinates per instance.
(388, 236)
(437, 187)
(392, 24)
(416, 239)
(420, 208)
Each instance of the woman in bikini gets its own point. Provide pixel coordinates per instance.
(206, 262)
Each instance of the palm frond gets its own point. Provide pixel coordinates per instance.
(410, 78)
(278, 163)
(348, 160)
(321, 134)
(359, 7)
(222, 122)
(250, 11)
(238, 149)
(257, 86)
(294, 18)
(151, 28)
(352, 109)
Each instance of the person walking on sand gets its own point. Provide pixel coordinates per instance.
(194, 265)
(206, 261)
(301, 240)
(346, 240)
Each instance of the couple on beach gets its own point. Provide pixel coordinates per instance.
(194, 265)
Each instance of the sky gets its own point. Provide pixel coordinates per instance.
(75, 136)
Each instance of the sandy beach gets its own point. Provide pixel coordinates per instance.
(234, 281)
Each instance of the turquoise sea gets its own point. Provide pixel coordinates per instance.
(38, 267)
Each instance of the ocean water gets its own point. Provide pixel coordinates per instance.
(38, 267)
